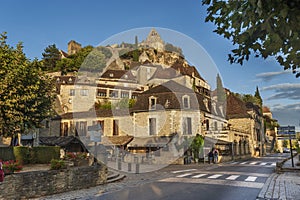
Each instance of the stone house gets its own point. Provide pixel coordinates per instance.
(245, 123)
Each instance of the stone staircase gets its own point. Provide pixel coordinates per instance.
(114, 176)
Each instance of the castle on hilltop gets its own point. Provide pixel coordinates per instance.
(154, 40)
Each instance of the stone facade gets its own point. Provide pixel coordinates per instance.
(73, 47)
(25, 185)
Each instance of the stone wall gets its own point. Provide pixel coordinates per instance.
(35, 184)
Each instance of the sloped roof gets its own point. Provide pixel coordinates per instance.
(190, 70)
(152, 141)
(60, 141)
(116, 140)
(169, 96)
(65, 80)
(118, 74)
(236, 108)
(164, 73)
(98, 113)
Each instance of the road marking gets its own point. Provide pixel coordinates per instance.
(236, 173)
(232, 177)
(273, 164)
(253, 163)
(251, 178)
(263, 163)
(215, 176)
(186, 170)
(214, 182)
(234, 163)
(183, 175)
(243, 163)
(199, 175)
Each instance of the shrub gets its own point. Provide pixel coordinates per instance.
(44, 154)
(57, 164)
(22, 154)
(11, 166)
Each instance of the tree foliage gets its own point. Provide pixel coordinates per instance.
(265, 28)
(25, 92)
(51, 56)
(196, 144)
(87, 58)
(258, 98)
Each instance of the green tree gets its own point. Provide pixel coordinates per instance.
(220, 90)
(50, 57)
(196, 145)
(265, 28)
(26, 93)
(258, 99)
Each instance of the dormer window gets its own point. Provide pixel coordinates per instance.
(152, 103)
(111, 75)
(186, 102)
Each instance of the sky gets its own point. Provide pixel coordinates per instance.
(41, 23)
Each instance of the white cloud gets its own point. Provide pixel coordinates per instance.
(267, 76)
(284, 91)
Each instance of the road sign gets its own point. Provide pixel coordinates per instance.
(95, 133)
(286, 130)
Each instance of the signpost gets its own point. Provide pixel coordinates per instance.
(287, 132)
(95, 136)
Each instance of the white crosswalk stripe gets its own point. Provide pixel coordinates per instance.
(185, 170)
(251, 178)
(184, 175)
(255, 163)
(232, 177)
(215, 176)
(199, 175)
(263, 163)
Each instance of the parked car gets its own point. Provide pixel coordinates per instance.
(286, 150)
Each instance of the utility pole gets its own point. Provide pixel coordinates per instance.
(291, 149)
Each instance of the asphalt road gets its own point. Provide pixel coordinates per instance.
(241, 180)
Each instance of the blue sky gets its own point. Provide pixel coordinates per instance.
(41, 23)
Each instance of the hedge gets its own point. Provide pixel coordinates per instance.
(44, 154)
(36, 155)
(7, 153)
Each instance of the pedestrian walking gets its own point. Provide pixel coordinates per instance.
(216, 155)
(210, 157)
(1, 172)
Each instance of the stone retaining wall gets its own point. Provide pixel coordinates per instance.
(40, 183)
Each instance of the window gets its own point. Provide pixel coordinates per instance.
(152, 103)
(216, 126)
(72, 92)
(124, 94)
(81, 128)
(64, 129)
(187, 126)
(186, 102)
(84, 92)
(152, 126)
(207, 124)
(101, 93)
(101, 123)
(116, 127)
(113, 94)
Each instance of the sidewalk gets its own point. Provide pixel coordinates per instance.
(285, 185)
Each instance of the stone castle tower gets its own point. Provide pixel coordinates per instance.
(73, 47)
(154, 40)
